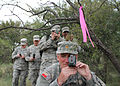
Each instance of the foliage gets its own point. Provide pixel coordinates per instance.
(6, 75)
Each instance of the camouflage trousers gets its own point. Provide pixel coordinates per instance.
(33, 75)
(22, 74)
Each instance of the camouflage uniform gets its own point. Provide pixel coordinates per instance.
(50, 74)
(34, 66)
(49, 47)
(20, 67)
(53, 72)
(65, 29)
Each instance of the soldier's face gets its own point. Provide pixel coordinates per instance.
(63, 59)
(54, 33)
(36, 42)
(24, 46)
(65, 33)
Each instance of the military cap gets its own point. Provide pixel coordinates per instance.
(67, 47)
(56, 27)
(65, 29)
(23, 41)
(36, 37)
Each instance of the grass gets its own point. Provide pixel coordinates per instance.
(6, 75)
(5, 81)
(8, 82)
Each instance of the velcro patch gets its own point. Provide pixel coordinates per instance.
(46, 76)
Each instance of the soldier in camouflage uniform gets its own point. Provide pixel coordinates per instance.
(69, 37)
(20, 67)
(65, 32)
(34, 59)
(62, 74)
(49, 47)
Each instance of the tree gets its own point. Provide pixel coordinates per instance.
(102, 17)
(8, 40)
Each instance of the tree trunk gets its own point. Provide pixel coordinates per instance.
(97, 41)
(105, 50)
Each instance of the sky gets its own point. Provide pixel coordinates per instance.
(5, 11)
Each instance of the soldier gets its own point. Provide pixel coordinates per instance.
(69, 71)
(49, 46)
(34, 59)
(20, 67)
(65, 31)
(69, 37)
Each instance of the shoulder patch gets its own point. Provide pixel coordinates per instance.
(47, 76)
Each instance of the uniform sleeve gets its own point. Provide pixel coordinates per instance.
(48, 77)
(37, 55)
(45, 44)
(79, 48)
(90, 83)
(61, 39)
(41, 81)
(95, 81)
(14, 54)
(27, 58)
(54, 83)
(55, 42)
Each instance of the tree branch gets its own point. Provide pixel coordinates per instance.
(59, 19)
(60, 7)
(102, 47)
(18, 7)
(98, 7)
(105, 50)
(17, 17)
(48, 10)
(38, 29)
(72, 5)
(117, 5)
(79, 3)
(15, 27)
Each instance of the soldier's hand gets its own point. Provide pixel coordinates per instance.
(84, 70)
(65, 73)
(53, 36)
(32, 59)
(18, 55)
(58, 36)
(22, 56)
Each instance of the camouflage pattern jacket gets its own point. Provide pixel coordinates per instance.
(49, 78)
(49, 47)
(20, 63)
(36, 63)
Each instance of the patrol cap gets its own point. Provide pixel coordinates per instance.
(67, 47)
(56, 27)
(65, 29)
(36, 37)
(23, 41)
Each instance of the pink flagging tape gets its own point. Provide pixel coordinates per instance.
(84, 26)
